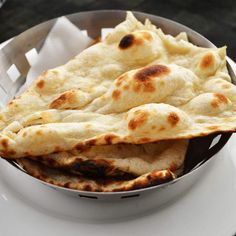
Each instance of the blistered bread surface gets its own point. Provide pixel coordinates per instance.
(138, 85)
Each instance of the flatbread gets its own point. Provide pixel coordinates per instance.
(77, 182)
(120, 159)
(139, 85)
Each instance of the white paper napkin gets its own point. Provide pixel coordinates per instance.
(63, 42)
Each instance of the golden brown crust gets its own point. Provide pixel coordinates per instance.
(218, 100)
(207, 60)
(82, 183)
(40, 84)
(116, 94)
(147, 73)
(65, 98)
(130, 40)
(173, 119)
(119, 159)
(140, 118)
(109, 138)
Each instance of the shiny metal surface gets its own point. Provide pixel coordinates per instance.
(14, 53)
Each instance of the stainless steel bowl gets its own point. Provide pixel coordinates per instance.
(93, 21)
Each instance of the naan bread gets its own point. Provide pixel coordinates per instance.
(139, 85)
(120, 159)
(77, 182)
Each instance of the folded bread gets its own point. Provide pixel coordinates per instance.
(77, 182)
(119, 159)
(137, 86)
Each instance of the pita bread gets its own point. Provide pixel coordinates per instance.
(77, 182)
(120, 159)
(139, 85)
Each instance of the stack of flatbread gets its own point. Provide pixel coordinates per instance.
(119, 115)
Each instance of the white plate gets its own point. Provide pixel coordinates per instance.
(209, 208)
